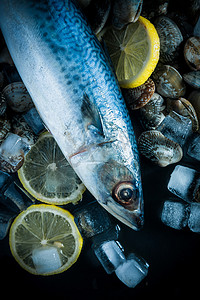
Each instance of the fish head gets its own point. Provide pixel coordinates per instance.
(114, 180)
(122, 195)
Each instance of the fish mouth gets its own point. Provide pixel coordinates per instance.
(132, 218)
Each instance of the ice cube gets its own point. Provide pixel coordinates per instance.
(5, 178)
(132, 271)
(194, 148)
(16, 200)
(5, 221)
(92, 219)
(194, 218)
(20, 127)
(175, 214)
(176, 127)
(12, 152)
(46, 259)
(34, 121)
(185, 183)
(110, 255)
(112, 233)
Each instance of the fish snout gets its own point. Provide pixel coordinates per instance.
(130, 214)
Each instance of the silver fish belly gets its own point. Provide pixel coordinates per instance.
(75, 91)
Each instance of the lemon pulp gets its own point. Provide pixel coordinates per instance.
(47, 175)
(134, 51)
(43, 227)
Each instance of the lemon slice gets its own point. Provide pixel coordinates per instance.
(134, 51)
(47, 175)
(44, 240)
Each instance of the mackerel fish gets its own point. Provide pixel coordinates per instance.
(75, 91)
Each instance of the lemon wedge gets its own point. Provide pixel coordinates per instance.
(44, 240)
(134, 51)
(47, 175)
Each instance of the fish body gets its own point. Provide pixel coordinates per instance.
(75, 91)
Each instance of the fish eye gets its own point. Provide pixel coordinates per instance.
(124, 193)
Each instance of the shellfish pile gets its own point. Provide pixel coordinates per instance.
(174, 86)
(172, 92)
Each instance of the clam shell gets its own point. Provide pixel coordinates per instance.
(151, 113)
(170, 38)
(169, 82)
(192, 53)
(139, 96)
(183, 107)
(159, 149)
(17, 97)
(193, 79)
(124, 12)
(194, 98)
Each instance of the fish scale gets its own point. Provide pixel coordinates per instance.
(75, 91)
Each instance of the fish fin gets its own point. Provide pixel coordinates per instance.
(91, 117)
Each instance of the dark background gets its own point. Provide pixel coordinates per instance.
(173, 256)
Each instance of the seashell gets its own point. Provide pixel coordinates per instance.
(5, 127)
(185, 27)
(170, 38)
(184, 108)
(124, 12)
(192, 53)
(193, 79)
(151, 113)
(3, 104)
(97, 13)
(169, 82)
(139, 96)
(159, 149)
(17, 97)
(194, 98)
(21, 128)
